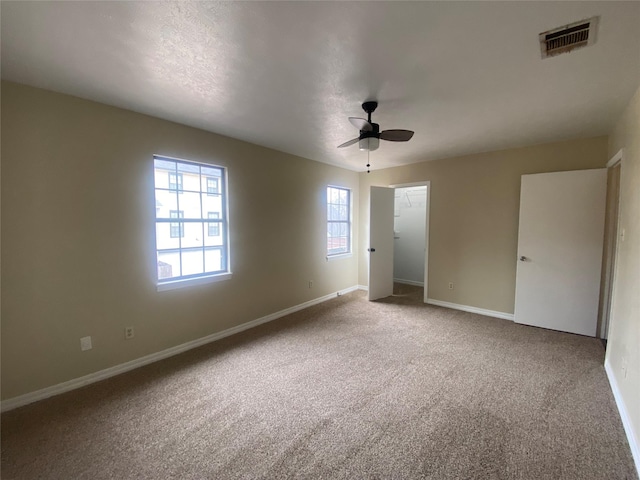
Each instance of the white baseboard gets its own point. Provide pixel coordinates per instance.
(632, 438)
(408, 282)
(363, 287)
(31, 397)
(466, 308)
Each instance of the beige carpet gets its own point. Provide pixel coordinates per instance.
(344, 390)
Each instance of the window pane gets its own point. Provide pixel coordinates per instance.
(212, 203)
(190, 204)
(344, 213)
(192, 262)
(190, 176)
(192, 235)
(213, 260)
(343, 196)
(165, 202)
(213, 228)
(334, 195)
(163, 237)
(211, 171)
(168, 265)
(187, 168)
(214, 240)
(334, 212)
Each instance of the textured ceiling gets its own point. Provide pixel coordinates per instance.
(466, 76)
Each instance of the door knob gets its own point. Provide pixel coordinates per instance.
(523, 258)
(371, 249)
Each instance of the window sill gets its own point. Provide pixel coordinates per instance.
(189, 282)
(338, 256)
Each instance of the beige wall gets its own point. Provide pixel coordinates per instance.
(623, 348)
(474, 215)
(78, 237)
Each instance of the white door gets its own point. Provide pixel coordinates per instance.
(381, 243)
(560, 250)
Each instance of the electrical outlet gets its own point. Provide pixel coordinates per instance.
(450, 285)
(310, 283)
(129, 332)
(85, 344)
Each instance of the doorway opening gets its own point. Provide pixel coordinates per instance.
(610, 246)
(410, 238)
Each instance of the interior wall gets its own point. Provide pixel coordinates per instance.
(78, 245)
(410, 214)
(474, 207)
(623, 347)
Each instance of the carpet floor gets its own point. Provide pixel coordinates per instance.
(346, 389)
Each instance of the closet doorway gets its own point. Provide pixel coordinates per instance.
(411, 234)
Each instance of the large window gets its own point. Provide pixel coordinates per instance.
(338, 221)
(191, 220)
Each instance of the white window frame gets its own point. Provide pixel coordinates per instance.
(349, 222)
(182, 281)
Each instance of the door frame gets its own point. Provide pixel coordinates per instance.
(611, 259)
(426, 183)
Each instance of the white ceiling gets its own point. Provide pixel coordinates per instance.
(466, 76)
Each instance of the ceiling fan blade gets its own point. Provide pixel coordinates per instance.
(361, 124)
(396, 135)
(350, 142)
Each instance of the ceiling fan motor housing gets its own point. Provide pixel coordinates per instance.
(369, 143)
(370, 140)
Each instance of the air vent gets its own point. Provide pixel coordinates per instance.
(568, 38)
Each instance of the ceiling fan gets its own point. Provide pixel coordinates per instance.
(370, 134)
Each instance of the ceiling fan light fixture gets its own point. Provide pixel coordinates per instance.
(370, 143)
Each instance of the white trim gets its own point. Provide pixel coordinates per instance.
(610, 280)
(408, 282)
(616, 158)
(363, 287)
(633, 440)
(424, 183)
(338, 256)
(466, 308)
(189, 282)
(31, 397)
(426, 242)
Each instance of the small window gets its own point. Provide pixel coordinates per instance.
(175, 181)
(338, 221)
(212, 186)
(176, 229)
(191, 224)
(213, 228)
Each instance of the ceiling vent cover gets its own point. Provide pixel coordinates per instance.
(568, 38)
